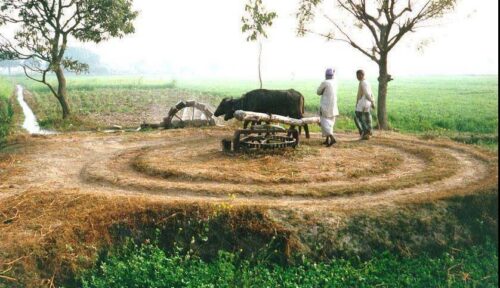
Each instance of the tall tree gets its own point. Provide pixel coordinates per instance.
(45, 26)
(255, 21)
(386, 21)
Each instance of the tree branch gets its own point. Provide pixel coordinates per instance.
(349, 40)
(43, 80)
(359, 12)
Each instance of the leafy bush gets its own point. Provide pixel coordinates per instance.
(148, 266)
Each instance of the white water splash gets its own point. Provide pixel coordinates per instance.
(30, 122)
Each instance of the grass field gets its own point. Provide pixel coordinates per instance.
(419, 104)
(438, 104)
(6, 89)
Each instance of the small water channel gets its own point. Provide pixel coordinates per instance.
(30, 123)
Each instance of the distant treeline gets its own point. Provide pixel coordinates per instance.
(15, 67)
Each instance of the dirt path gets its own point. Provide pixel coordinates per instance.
(107, 164)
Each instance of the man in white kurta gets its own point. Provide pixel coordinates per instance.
(328, 106)
(364, 104)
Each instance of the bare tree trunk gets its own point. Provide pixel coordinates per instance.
(62, 92)
(260, 61)
(383, 81)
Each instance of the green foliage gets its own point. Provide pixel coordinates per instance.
(74, 65)
(305, 15)
(6, 111)
(87, 21)
(256, 20)
(6, 88)
(104, 19)
(148, 266)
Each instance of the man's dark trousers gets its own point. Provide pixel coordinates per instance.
(363, 122)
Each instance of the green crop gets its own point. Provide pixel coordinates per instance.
(6, 112)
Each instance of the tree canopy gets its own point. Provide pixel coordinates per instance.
(45, 27)
(385, 21)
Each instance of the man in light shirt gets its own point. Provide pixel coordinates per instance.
(364, 105)
(328, 106)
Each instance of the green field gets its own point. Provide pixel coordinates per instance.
(439, 104)
(462, 104)
(6, 89)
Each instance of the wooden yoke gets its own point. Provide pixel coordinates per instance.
(273, 118)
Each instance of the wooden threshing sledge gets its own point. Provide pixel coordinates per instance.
(266, 136)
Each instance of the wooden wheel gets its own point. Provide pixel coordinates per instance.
(189, 113)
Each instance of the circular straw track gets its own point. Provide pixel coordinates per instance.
(391, 166)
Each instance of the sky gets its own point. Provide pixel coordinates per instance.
(199, 38)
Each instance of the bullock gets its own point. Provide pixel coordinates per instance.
(288, 103)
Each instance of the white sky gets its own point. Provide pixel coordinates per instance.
(200, 38)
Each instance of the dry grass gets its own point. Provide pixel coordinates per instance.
(50, 236)
(308, 164)
(188, 166)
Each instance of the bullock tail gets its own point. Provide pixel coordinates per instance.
(302, 110)
(302, 104)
